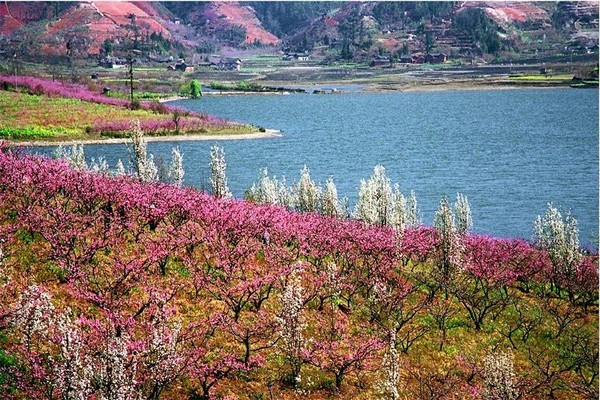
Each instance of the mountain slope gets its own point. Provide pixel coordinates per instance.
(347, 30)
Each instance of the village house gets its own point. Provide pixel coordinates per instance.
(380, 61)
(296, 56)
(113, 62)
(180, 66)
(422, 59)
(436, 58)
(229, 64)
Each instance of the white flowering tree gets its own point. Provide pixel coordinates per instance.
(378, 204)
(99, 166)
(398, 209)
(330, 204)
(412, 215)
(75, 156)
(374, 204)
(143, 165)
(306, 192)
(115, 373)
(267, 190)
(390, 369)
(499, 377)
(449, 240)
(291, 324)
(176, 171)
(462, 211)
(560, 238)
(39, 326)
(218, 173)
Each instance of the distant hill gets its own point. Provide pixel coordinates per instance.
(334, 30)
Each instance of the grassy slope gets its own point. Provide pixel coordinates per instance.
(26, 116)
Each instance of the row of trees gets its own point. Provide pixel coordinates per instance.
(151, 291)
(378, 203)
(143, 166)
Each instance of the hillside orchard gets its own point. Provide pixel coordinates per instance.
(113, 288)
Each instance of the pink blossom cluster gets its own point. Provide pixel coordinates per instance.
(172, 288)
(161, 125)
(59, 88)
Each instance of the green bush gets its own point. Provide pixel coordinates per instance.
(195, 89)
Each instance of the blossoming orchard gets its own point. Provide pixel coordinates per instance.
(128, 286)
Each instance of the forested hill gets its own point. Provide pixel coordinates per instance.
(333, 30)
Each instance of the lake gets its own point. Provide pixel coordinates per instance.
(510, 151)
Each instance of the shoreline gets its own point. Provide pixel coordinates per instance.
(268, 134)
(379, 87)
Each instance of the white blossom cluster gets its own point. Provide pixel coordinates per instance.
(146, 169)
(499, 377)
(163, 356)
(33, 314)
(560, 238)
(143, 164)
(176, 171)
(269, 190)
(307, 192)
(115, 375)
(73, 371)
(445, 226)
(305, 195)
(462, 211)
(75, 156)
(330, 203)
(39, 324)
(390, 365)
(291, 323)
(218, 173)
(378, 204)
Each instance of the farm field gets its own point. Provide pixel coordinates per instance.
(116, 287)
(35, 108)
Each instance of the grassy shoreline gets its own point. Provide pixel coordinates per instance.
(36, 109)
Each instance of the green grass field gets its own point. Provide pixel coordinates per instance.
(28, 117)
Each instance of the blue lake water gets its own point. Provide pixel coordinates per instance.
(510, 151)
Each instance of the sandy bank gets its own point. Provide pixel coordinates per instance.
(269, 133)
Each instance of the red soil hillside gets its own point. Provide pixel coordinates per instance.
(86, 25)
(512, 12)
(233, 13)
(8, 24)
(14, 14)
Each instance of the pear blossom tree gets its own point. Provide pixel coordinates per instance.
(379, 204)
(499, 376)
(292, 325)
(374, 205)
(450, 247)
(307, 192)
(267, 190)
(330, 204)
(218, 173)
(462, 211)
(390, 369)
(75, 156)
(176, 170)
(143, 165)
(559, 237)
(412, 214)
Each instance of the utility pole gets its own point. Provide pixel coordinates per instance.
(130, 61)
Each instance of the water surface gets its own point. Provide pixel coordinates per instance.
(510, 151)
